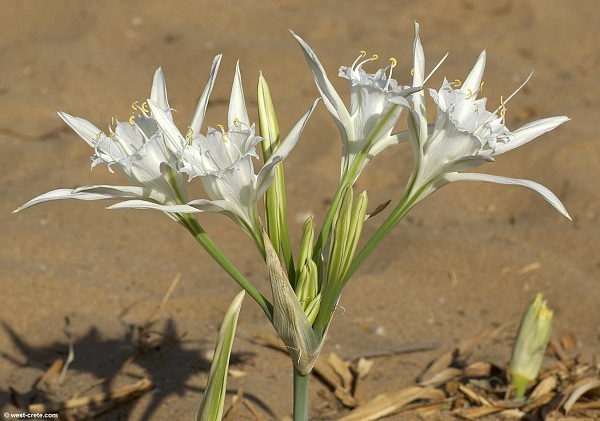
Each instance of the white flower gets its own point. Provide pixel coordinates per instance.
(465, 134)
(366, 128)
(144, 149)
(223, 161)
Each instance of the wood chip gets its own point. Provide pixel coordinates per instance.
(386, 404)
(579, 389)
(115, 397)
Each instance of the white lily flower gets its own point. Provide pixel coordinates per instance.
(223, 161)
(465, 134)
(366, 129)
(145, 150)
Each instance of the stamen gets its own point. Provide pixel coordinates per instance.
(394, 64)
(519, 88)
(435, 68)
(236, 123)
(469, 95)
(361, 56)
(481, 87)
(99, 135)
(131, 120)
(359, 65)
(145, 107)
(457, 83)
(476, 105)
(190, 133)
(134, 106)
(223, 132)
(412, 71)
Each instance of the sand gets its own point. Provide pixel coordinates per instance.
(470, 256)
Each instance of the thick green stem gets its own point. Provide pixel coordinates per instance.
(300, 396)
(194, 227)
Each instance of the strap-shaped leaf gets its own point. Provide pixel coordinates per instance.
(211, 408)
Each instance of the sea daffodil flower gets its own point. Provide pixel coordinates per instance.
(142, 150)
(465, 134)
(365, 128)
(223, 161)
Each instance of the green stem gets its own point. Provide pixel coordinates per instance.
(300, 396)
(194, 227)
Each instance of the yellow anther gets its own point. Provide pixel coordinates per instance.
(363, 53)
(412, 71)
(112, 121)
(145, 107)
(134, 105)
(223, 132)
(375, 57)
(131, 120)
(99, 135)
(502, 102)
(503, 112)
(394, 62)
(481, 87)
(190, 133)
(476, 105)
(236, 122)
(470, 94)
(457, 83)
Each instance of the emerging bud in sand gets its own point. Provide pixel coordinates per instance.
(532, 339)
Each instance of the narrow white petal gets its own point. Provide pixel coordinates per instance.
(418, 79)
(177, 141)
(85, 193)
(210, 205)
(532, 185)
(529, 132)
(200, 112)
(159, 91)
(265, 175)
(145, 204)
(394, 139)
(237, 104)
(332, 100)
(292, 138)
(473, 81)
(86, 130)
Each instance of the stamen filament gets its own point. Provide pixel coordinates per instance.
(435, 68)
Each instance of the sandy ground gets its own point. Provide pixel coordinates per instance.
(470, 256)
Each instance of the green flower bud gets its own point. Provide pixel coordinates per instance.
(530, 345)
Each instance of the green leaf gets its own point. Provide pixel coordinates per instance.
(211, 408)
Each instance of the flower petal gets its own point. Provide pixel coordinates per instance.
(529, 132)
(159, 92)
(146, 204)
(265, 175)
(164, 121)
(237, 105)
(85, 193)
(418, 98)
(86, 130)
(332, 100)
(394, 139)
(532, 185)
(473, 81)
(200, 112)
